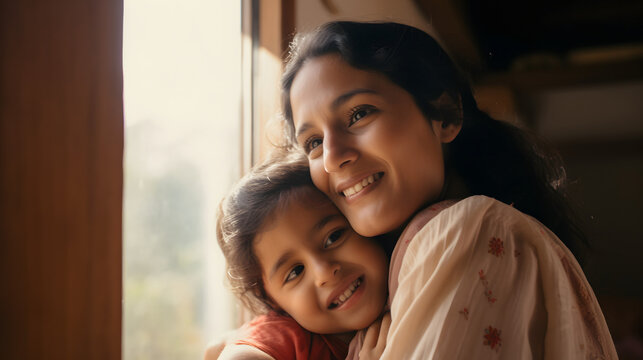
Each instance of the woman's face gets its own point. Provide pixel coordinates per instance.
(370, 148)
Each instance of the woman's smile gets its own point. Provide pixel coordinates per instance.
(367, 182)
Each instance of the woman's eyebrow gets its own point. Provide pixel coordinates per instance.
(341, 99)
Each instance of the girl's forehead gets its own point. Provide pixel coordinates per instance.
(302, 197)
(306, 196)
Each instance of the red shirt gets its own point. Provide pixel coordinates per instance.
(284, 339)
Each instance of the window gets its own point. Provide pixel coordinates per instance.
(183, 150)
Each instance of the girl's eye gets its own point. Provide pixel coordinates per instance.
(311, 144)
(333, 237)
(294, 273)
(359, 112)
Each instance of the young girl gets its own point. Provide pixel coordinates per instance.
(292, 256)
(390, 126)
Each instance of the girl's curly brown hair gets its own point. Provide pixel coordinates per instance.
(267, 188)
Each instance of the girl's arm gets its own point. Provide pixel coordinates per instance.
(237, 352)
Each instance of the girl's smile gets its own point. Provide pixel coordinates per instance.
(339, 298)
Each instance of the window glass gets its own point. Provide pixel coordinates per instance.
(182, 86)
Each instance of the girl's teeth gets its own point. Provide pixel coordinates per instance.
(349, 291)
(361, 185)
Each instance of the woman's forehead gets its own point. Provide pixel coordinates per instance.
(330, 73)
(324, 82)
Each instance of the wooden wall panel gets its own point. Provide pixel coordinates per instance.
(61, 148)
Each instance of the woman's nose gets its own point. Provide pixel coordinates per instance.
(338, 151)
(326, 271)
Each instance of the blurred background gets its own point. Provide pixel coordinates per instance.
(123, 123)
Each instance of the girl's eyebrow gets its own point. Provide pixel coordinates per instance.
(341, 99)
(323, 221)
(280, 262)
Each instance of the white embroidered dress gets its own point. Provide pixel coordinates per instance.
(481, 280)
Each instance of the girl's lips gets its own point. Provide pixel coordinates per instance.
(344, 293)
(354, 298)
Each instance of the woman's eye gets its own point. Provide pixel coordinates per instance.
(359, 112)
(333, 237)
(294, 272)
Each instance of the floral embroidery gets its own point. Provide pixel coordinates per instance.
(492, 338)
(489, 296)
(465, 312)
(496, 247)
(516, 253)
(487, 292)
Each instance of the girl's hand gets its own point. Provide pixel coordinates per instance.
(375, 338)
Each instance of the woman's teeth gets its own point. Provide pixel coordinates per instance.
(361, 185)
(346, 294)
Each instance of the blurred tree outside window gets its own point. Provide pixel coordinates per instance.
(182, 96)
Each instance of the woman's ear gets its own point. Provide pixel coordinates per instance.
(450, 109)
(447, 132)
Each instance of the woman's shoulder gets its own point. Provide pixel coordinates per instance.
(477, 205)
(490, 216)
(477, 201)
(469, 218)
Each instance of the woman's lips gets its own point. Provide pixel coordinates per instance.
(361, 185)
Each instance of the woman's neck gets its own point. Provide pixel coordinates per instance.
(455, 187)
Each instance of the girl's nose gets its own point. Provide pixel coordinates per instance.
(326, 272)
(338, 151)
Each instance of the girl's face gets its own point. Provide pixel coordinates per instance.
(370, 148)
(318, 270)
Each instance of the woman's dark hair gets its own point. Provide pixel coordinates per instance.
(266, 189)
(493, 158)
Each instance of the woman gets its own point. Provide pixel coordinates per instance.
(390, 126)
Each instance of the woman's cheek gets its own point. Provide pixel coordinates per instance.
(319, 176)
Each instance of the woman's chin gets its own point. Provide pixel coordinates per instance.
(372, 227)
